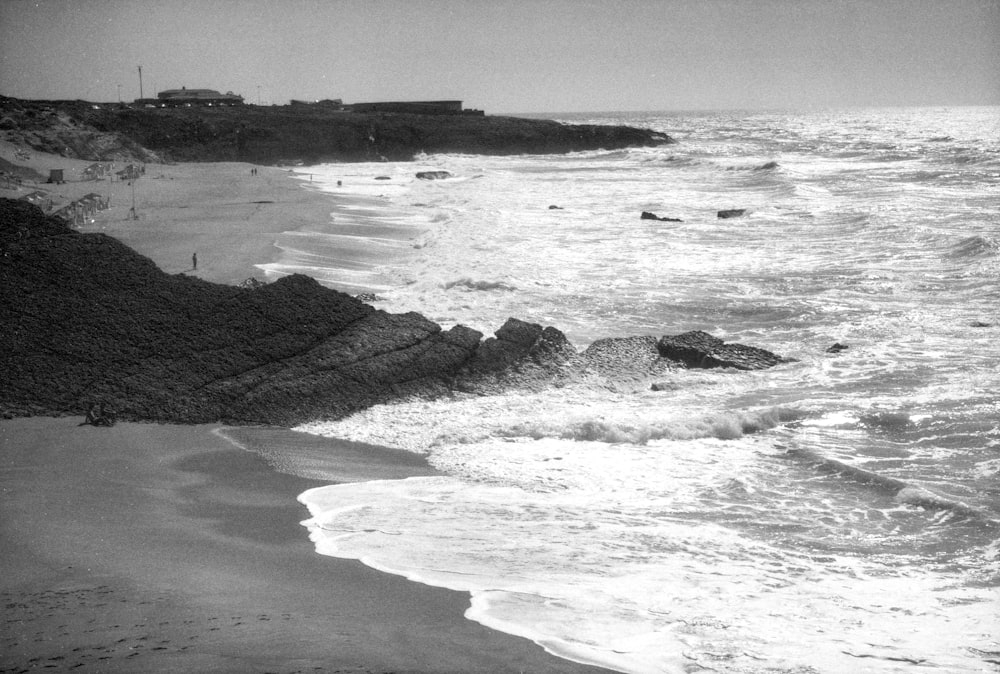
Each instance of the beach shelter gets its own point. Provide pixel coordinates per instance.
(93, 202)
(95, 171)
(40, 199)
(130, 172)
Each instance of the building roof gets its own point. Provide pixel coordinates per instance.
(194, 93)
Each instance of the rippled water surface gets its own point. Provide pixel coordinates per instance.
(835, 514)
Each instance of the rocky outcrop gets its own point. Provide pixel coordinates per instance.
(433, 175)
(700, 349)
(57, 128)
(86, 323)
(646, 215)
(731, 213)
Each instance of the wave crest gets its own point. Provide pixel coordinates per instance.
(722, 426)
(469, 284)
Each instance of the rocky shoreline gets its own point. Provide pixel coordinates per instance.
(290, 134)
(88, 321)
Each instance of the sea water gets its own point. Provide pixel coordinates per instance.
(840, 513)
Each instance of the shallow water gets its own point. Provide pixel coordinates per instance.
(835, 514)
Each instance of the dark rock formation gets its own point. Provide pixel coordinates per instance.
(553, 207)
(837, 348)
(732, 213)
(700, 349)
(85, 322)
(433, 175)
(980, 324)
(646, 215)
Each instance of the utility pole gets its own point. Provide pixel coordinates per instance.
(119, 93)
(140, 82)
(132, 214)
(258, 95)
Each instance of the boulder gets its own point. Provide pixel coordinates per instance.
(837, 348)
(732, 213)
(517, 340)
(646, 215)
(433, 175)
(698, 349)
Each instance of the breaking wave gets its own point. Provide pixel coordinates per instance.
(724, 426)
(900, 490)
(470, 284)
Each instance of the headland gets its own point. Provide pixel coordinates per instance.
(290, 134)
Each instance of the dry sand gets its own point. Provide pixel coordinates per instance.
(156, 548)
(218, 210)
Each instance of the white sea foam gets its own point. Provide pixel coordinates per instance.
(798, 519)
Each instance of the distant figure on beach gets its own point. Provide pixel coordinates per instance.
(194, 260)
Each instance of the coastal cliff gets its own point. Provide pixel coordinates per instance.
(290, 134)
(85, 321)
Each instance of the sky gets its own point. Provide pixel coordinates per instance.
(508, 56)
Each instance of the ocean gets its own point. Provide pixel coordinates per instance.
(839, 513)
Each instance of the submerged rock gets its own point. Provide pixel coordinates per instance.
(837, 348)
(433, 175)
(702, 350)
(732, 213)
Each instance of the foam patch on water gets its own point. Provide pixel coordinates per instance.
(697, 592)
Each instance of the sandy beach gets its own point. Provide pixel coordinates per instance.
(227, 215)
(156, 548)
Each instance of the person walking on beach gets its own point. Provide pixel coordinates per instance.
(194, 260)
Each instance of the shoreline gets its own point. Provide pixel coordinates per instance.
(162, 548)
